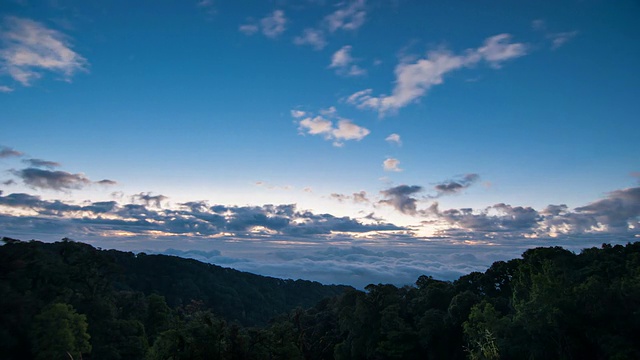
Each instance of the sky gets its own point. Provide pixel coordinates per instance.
(349, 142)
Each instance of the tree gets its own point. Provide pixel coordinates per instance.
(58, 332)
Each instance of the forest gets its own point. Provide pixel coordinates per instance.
(69, 300)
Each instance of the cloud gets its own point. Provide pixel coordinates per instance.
(6, 152)
(298, 113)
(249, 29)
(399, 197)
(358, 197)
(106, 182)
(149, 200)
(391, 164)
(54, 180)
(29, 49)
(394, 139)
(343, 63)
(339, 132)
(5, 89)
(619, 210)
(349, 17)
(41, 163)
(313, 37)
(559, 39)
(450, 187)
(415, 79)
(271, 25)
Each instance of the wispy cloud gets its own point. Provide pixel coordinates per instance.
(5, 89)
(391, 164)
(6, 152)
(41, 163)
(272, 25)
(343, 63)
(313, 37)
(348, 17)
(29, 49)
(351, 16)
(557, 39)
(394, 139)
(455, 186)
(332, 127)
(415, 78)
(358, 197)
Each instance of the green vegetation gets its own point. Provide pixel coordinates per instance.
(68, 300)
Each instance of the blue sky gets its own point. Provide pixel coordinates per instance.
(350, 141)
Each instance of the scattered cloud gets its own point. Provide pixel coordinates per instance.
(5, 89)
(414, 79)
(313, 37)
(338, 132)
(6, 152)
(271, 25)
(249, 29)
(351, 16)
(29, 48)
(391, 164)
(400, 198)
(41, 163)
(107, 182)
(298, 113)
(455, 186)
(394, 139)
(358, 197)
(559, 39)
(53, 180)
(342, 62)
(148, 199)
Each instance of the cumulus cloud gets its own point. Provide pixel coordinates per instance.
(455, 186)
(400, 198)
(6, 152)
(29, 49)
(298, 113)
(338, 132)
(415, 79)
(313, 37)
(391, 164)
(41, 163)
(54, 180)
(394, 139)
(343, 63)
(271, 25)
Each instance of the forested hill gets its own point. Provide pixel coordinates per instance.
(84, 271)
(69, 299)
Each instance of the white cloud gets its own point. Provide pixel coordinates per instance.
(312, 37)
(248, 29)
(414, 79)
(394, 139)
(391, 164)
(298, 113)
(342, 61)
(273, 25)
(5, 89)
(349, 17)
(29, 48)
(343, 131)
(559, 39)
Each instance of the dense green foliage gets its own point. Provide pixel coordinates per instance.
(549, 304)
